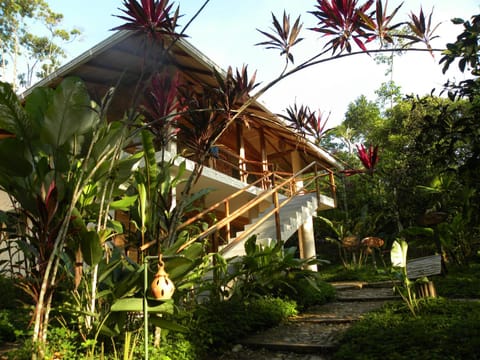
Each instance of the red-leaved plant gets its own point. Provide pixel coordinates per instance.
(369, 159)
(161, 106)
(341, 19)
(306, 122)
(156, 18)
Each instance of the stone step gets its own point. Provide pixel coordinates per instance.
(366, 293)
(297, 348)
(366, 299)
(321, 320)
(299, 336)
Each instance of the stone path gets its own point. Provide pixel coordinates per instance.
(315, 334)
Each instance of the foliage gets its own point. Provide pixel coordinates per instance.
(308, 293)
(7, 329)
(66, 169)
(460, 282)
(347, 236)
(342, 20)
(429, 162)
(306, 122)
(17, 39)
(219, 323)
(14, 313)
(64, 146)
(154, 18)
(174, 346)
(285, 37)
(340, 273)
(269, 270)
(466, 50)
(443, 329)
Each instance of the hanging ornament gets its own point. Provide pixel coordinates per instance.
(162, 287)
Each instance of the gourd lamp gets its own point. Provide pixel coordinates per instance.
(162, 287)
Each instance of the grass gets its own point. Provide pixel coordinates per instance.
(444, 329)
(459, 283)
(366, 273)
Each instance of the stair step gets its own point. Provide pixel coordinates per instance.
(299, 337)
(292, 216)
(325, 320)
(295, 348)
(366, 299)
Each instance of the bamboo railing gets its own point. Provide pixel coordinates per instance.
(282, 188)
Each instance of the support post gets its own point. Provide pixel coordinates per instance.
(306, 236)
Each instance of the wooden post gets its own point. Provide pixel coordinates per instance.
(241, 153)
(332, 187)
(277, 217)
(227, 226)
(263, 146)
(426, 289)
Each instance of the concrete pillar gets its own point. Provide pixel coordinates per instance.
(306, 236)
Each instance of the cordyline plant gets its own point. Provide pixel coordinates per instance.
(369, 159)
(161, 107)
(154, 18)
(306, 122)
(345, 23)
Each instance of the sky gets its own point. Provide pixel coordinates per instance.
(226, 32)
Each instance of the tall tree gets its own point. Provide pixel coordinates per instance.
(21, 46)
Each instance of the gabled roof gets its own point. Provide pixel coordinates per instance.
(119, 61)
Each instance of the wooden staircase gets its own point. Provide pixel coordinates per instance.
(294, 199)
(293, 215)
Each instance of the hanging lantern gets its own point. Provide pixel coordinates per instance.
(162, 287)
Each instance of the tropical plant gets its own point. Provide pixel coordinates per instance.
(268, 270)
(306, 122)
(404, 287)
(62, 146)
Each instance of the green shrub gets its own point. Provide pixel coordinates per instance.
(63, 342)
(7, 330)
(459, 282)
(173, 346)
(310, 292)
(13, 323)
(219, 323)
(8, 294)
(267, 312)
(366, 273)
